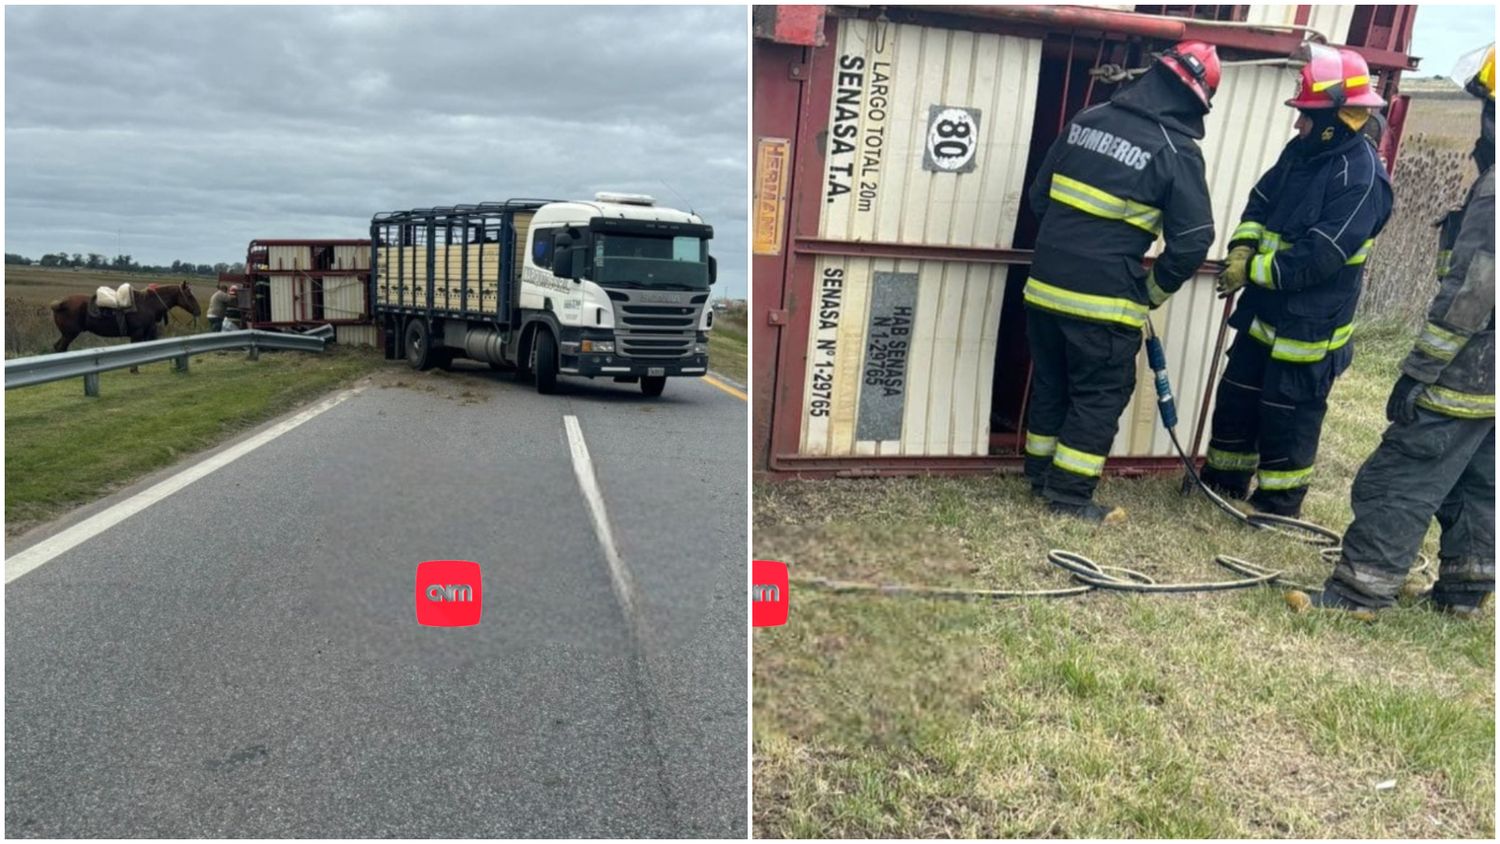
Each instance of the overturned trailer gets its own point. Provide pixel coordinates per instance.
(891, 237)
(303, 283)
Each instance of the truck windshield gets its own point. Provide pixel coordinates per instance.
(629, 260)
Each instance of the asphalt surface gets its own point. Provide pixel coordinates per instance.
(242, 658)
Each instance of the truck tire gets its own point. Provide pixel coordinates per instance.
(418, 344)
(546, 361)
(652, 385)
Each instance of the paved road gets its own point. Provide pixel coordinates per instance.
(242, 658)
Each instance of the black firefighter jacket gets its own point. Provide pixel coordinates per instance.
(1312, 221)
(1455, 354)
(1120, 175)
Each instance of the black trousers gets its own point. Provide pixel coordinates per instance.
(1268, 417)
(1082, 376)
(1438, 466)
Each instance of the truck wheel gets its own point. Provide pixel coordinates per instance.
(652, 385)
(546, 361)
(419, 351)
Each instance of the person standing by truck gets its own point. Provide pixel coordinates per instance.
(1120, 175)
(1438, 455)
(216, 305)
(1299, 252)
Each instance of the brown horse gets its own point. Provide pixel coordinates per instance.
(151, 308)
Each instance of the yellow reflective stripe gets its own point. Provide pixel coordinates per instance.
(1091, 200)
(1260, 270)
(1232, 461)
(1304, 351)
(1154, 292)
(1444, 262)
(1454, 403)
(1269, 242)
(1351, 82)
(1040, 446)
(1287, 479)
(1105, 308)
(1440, 343)
(1078, 462)
(1262, 332)
(1361, 255)
(1341, 336)
(1248, 230)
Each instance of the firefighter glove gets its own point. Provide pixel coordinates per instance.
(1402, 405)
(1236, 270)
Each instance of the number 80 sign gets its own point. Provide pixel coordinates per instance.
(952, 139)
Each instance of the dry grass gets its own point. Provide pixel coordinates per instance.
(1109, 715)
(1433, 174)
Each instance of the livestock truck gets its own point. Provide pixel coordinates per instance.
(614, 287)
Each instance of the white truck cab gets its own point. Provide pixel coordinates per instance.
(614, 287)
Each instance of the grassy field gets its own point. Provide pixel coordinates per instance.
(728, 345)
(1108, 715)
(63, 449)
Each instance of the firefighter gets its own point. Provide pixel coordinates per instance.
(1121, 174)
(1299, 251)
(1438, 455)
(1448, 224)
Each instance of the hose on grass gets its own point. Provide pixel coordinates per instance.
(1092, 576)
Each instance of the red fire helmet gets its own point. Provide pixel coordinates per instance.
(1197, 65)
(1334, 78)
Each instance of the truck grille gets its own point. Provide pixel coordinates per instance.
(665, 327)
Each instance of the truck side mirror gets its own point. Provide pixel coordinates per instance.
(713, 269)
(577, 255)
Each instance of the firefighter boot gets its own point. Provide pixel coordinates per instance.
(1090, 512)
(1301, 602)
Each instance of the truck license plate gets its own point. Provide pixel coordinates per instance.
(654, 371)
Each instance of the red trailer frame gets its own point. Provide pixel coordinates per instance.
(792, 74)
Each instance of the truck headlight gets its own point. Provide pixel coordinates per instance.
(598, 347)
(700, 348)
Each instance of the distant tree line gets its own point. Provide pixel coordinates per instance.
(121, 263)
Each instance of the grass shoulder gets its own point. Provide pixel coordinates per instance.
(1210, 715)
(63, 449)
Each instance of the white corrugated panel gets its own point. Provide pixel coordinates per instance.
(343, 297)
(1332, 21)
(351, 257)
(289, 257)
(289, 300)
(354, 335)
(904, 365)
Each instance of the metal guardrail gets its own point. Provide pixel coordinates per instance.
(43, 369)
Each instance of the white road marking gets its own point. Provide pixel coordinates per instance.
(583, 468)
(44, 551)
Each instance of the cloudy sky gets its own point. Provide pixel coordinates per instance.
(183, 133)
(1444, 32)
